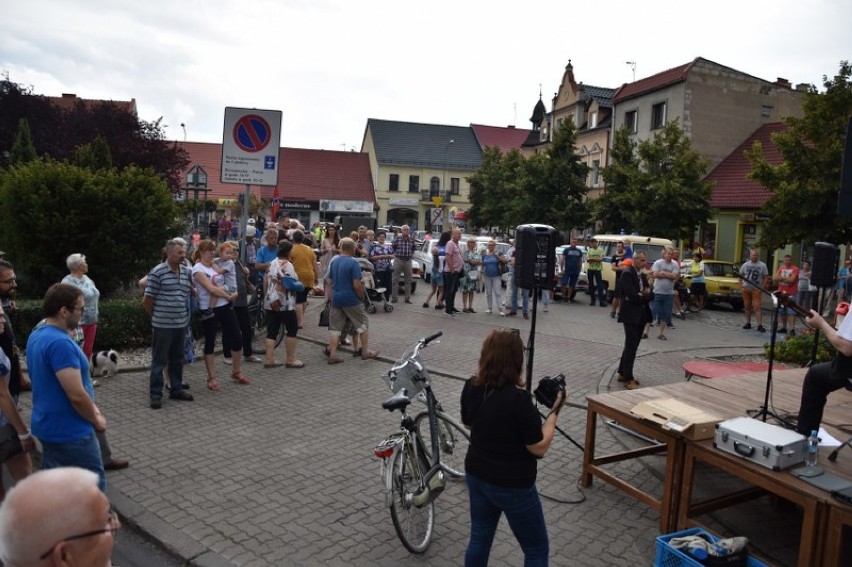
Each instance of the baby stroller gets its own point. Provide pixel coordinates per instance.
(372, 293)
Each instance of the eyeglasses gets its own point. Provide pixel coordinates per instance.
(114, 525)
(75, 308)
(10, 280)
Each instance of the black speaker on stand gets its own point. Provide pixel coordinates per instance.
(535, 265)
(823, 276)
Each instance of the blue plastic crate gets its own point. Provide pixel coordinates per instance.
(667, 556)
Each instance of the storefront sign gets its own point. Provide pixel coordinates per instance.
(404, 202)
(300, 205)
(337, 206)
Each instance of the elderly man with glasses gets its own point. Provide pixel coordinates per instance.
(64, 415)
(57, 517)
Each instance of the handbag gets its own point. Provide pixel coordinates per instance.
(324, 315)
(189, 346)
(10, 445)
(473, 275)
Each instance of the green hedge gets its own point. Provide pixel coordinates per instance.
(122, 323)
(798, 349)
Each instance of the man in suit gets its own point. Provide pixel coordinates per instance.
(633, 314)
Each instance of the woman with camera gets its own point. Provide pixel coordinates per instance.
(507, 437)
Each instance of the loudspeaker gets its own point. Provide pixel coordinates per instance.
(824, 268)
(844, 198)
(535, 255)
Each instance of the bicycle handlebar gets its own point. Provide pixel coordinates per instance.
(431, 338)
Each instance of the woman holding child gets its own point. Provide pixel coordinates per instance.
(216, 289)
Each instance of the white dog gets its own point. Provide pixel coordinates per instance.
(104, 364)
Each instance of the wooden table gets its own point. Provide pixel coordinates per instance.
(839, 515)
(617, 406)
(703, 368)
(780, 483)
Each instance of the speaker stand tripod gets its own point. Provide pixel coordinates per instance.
(536, 290)
(764, 410)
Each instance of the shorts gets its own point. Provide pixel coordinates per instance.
(340, 315)
(569, 279)
(274, 320)
(437, 279)
(751, 299)
(301, 296)
(786, 311)
(698, 289)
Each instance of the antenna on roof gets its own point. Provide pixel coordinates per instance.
(515, 119)
(632, 66)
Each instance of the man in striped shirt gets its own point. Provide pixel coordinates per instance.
(167, 302)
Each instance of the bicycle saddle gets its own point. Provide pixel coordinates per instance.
(397, 401)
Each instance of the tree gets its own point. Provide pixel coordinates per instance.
(23, 150)
(94, 156)
(118, 219)
(657, 185)
(621, 176)
(675, 199)
(557, 182)
(486, 187)
(805, 185)
(58, 133)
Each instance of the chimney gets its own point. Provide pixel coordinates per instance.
(782, 82)
(69, 95)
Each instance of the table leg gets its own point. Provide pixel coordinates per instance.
(589, 453)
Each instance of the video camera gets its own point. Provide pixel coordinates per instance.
(548, 388)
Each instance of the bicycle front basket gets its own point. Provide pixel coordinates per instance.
(404, 376)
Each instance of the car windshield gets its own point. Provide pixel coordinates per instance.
(653, 251)
(721, 270)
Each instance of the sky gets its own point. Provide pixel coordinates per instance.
(330, 65)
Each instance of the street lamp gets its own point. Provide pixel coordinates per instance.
(196, 181)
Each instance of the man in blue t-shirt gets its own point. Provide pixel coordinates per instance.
(266, 254)
(572, 261)
(64, 416)
(347, 301)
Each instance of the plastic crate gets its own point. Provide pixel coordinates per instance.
(667, 556)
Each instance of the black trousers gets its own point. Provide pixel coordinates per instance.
(244, 320)
(817, 386)
(632, 338)
(451, 284)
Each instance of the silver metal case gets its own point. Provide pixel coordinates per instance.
(762, 443)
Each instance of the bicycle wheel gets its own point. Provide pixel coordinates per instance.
(282, 332)
(453, 441)
(413, 525)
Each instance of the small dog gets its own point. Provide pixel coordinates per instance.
(104, 364)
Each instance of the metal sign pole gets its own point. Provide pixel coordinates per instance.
(244, 223)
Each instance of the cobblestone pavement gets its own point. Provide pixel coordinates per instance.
(281, 471)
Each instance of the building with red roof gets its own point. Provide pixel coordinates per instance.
(505, 138)
(313, 185)
(68, 100)
(739, 199)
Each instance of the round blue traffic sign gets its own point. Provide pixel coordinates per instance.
(252, 133)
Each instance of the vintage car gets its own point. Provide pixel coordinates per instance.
(721, 280)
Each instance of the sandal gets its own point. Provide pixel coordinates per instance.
(240, 377)
(425, 306)
(212, 384)
(358, 352)
(297, 364)
(369, 354)
(334, 360)
(272, 365)
(326, 351)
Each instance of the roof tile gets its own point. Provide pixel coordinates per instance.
(505, 138)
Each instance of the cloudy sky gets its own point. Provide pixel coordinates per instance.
(329, 65)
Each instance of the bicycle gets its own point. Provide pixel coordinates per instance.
(412, 467)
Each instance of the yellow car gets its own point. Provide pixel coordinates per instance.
(721, 280)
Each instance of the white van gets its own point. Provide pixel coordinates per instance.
(652, 246)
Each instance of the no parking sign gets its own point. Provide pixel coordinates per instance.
(250, 144)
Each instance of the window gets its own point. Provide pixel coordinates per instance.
(766, 111)
(393, 182)
(413, 183)
(455, 185)
(434, 187)
(658, 115)
(596, 172)
(630, 121)
(593, 120)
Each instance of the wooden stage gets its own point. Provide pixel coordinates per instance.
(823, 517)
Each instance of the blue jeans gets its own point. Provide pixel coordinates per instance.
(662, 307)
(166, 352)
(514, 293)
(84, 453)
(523, 512)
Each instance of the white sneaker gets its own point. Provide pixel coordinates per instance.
(228, 361)
(253, 358)
(488, 311)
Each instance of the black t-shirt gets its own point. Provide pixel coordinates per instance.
(503, 422)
